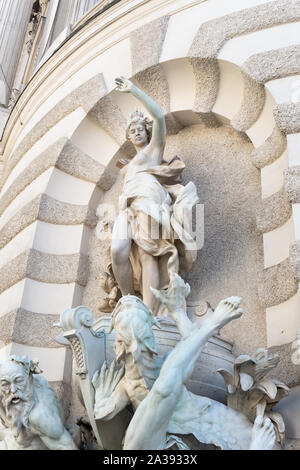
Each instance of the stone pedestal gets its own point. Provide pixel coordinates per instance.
(14, 18)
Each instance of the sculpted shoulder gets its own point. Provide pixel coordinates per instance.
(46, 416)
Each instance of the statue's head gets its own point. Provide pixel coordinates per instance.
(16, 389)
(132, 321)
(138, 129)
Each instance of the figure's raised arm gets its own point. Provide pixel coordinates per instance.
(158, 138)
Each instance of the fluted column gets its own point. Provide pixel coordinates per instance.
(14, 19)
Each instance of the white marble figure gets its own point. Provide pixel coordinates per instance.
(165, 411)
(29, 409)
(151, 237)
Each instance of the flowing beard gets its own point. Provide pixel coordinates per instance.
(17, 414)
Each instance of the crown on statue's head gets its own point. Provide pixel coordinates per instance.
(139, 117)
(136, 116)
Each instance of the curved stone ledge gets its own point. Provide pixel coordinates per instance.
(22, 219)
(212, 35)
(274, 211)
(295, 258)
(75, 162)
(107, 114)
(207, 80)
(153, 81)
(252, 105)
(172, 124)
(57, 269)
(49, 210)
(292, 183)
(146, 44)
(7, 323)
(62, 213)
(270, 150)
(14, 271)
(277, 284)
(32, 329)
(65, 156)
(44, 267)
(85, 96)
(287, 116)
(210, 120)
(39, 165)
(273, 64)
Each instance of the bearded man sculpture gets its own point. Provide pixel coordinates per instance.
(150, 238)
(29, 409)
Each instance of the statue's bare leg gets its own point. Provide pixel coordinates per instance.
(120, 251)
(263, 434)
(150, 277)
(148, 427)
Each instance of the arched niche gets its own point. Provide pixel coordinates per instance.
(219, 144)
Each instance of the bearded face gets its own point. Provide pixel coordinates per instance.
(16, 392)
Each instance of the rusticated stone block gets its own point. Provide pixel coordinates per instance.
(274, 211)
(295, 258)
(292, 183)
(273, 64)
(44, 267)
(277, 284)
(22, 219)
(154, 83)
(270, 150)
(108, 115)
(74, 162)
(207, 79)
(287, 116)
(252, 105)
(146, 44)
(213, 34)
(86, 96)
(56, 212)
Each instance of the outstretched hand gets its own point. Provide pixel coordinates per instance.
(123, 84)
(106, 380)
(174, 297)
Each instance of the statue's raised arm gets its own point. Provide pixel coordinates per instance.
(158, 138)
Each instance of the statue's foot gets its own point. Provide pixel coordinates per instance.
(263, 434)
(227, 310)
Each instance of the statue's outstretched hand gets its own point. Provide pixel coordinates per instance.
(123, 84)
(174, 297)
(106, 381)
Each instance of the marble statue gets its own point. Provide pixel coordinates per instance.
(30, 413)
(151, 237)
(165, 411)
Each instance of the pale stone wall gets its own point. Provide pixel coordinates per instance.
(235, 64)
